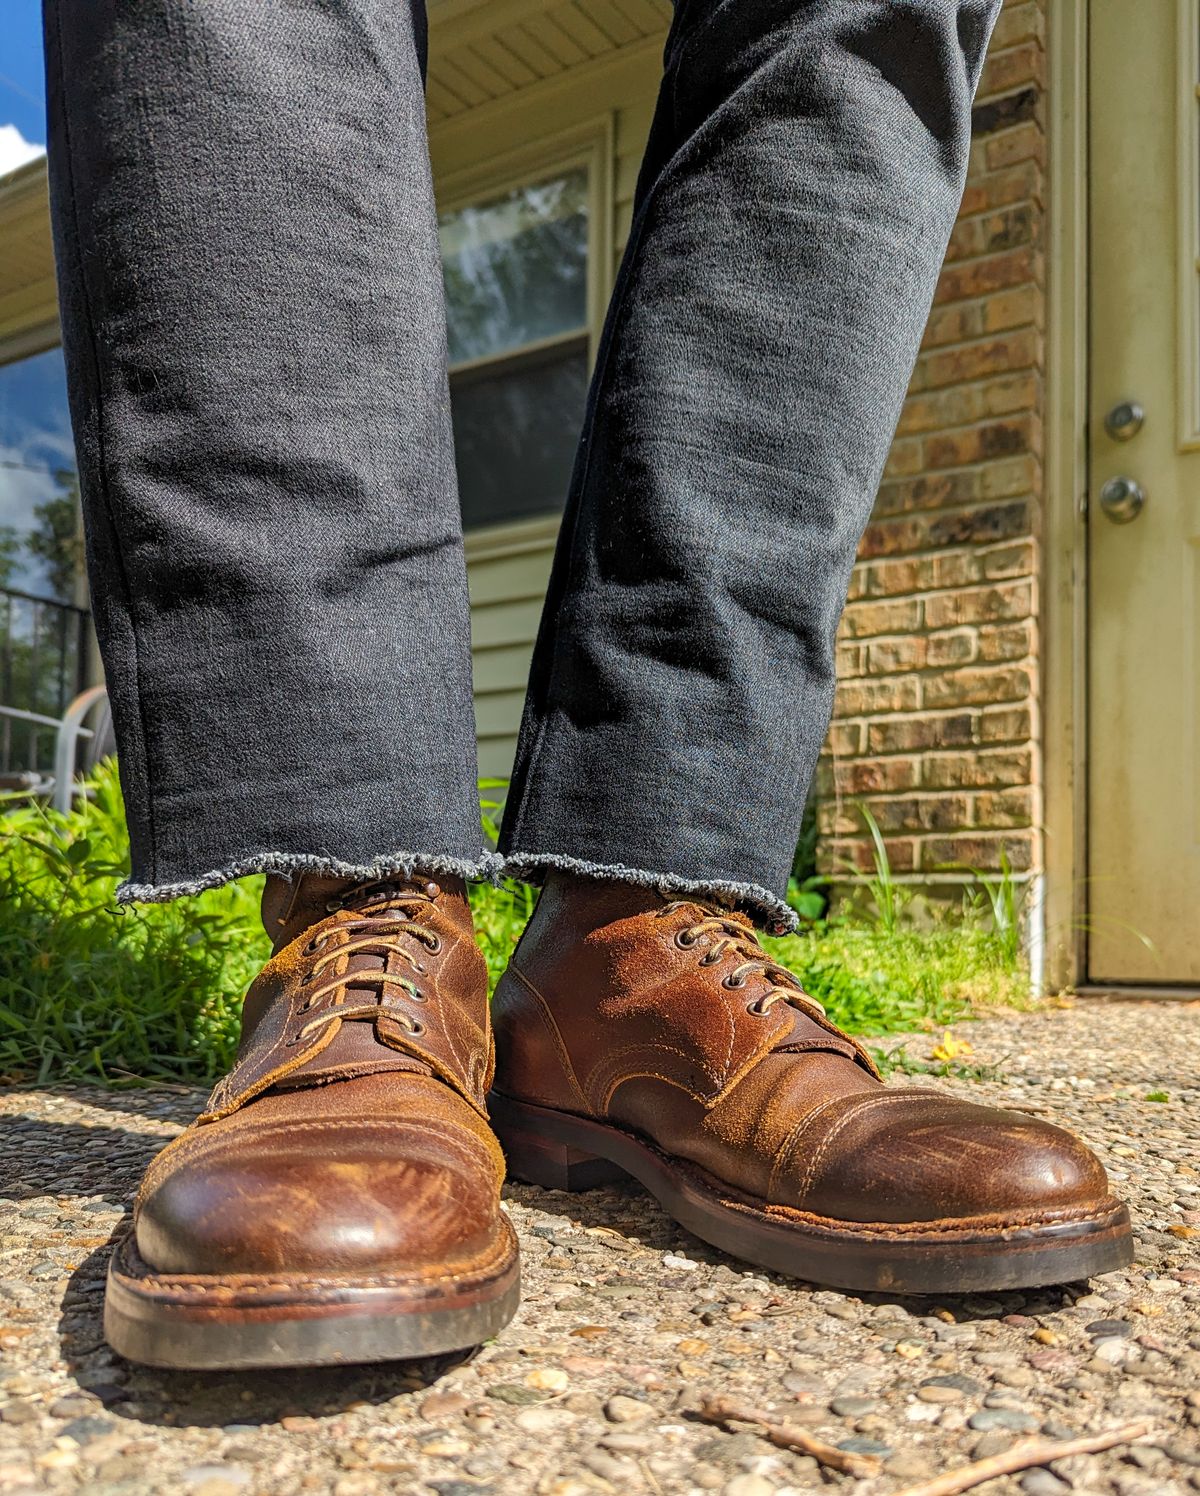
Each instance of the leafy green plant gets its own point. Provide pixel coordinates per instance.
(92, 991)
(889, 898)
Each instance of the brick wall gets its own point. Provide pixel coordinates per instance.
(935, 726)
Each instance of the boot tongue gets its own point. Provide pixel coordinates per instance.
(290, 909)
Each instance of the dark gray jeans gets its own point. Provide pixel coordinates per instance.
(256, 352)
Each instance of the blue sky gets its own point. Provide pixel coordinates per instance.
(22, 86)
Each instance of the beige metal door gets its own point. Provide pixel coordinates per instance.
(1144, 578)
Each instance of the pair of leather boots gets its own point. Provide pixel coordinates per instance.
(339, 1198)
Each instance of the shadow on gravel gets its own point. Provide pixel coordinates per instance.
(216, 1399)
(39, 1157)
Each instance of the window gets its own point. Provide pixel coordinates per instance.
(43, 637)
(38, 488)
(516, 274)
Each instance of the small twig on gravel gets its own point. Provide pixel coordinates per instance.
(787, 1435)
(1024, 1456)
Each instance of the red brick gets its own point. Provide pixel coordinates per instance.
(954, 324)
(989, 273)
(929, 491)
(902, 854)
(911, 734)
(956, 568)
(976, 851)
(1022, 143)
(893, 656)
(1008, 561)
(850, 660)
(861, 698)
(1023, 306)
(1019, 349)
(973, 768)
(980, 605)
(957, 647)
(1011, 807)
(875, 775)
(1007, 68)
(847, 739)
(862, 620)
(1018, 23)
(1012, 641)
(974, 444)
(978, 685)
(892, 578)
(988, 190)
(1008, 724)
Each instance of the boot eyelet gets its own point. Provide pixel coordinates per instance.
(313, 945)
(418, 997)
(684, 939)
(756, 1009)
(434, 946)
(734, 984)
(708, 959)
(417, 1029)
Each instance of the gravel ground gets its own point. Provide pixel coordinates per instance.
(627, 1321)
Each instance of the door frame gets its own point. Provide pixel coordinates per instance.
(1062, 911)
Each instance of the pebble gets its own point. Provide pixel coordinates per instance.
(935, 1393)
(748, 1485)
(1043, 1483)
(862, 1445)
(1011, 1418)
(853, 1407)
(19, 1412)
(622, 1409)
(1102, 1328)
(968, 1386)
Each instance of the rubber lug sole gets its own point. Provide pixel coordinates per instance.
(235, 1323)
(560, 1151)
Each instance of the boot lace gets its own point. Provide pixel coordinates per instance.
(382, 927)
(734, 937)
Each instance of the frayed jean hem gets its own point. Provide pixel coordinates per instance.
(768, 909)
(486, 866)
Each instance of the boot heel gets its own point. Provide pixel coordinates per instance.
(537, 1159)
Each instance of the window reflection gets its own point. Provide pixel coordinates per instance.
(516, 271)
(38, 487)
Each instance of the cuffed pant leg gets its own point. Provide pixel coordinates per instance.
(805, 166)
(255, 342)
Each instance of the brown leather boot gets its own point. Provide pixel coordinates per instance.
(643, 1035)
(339, 1198)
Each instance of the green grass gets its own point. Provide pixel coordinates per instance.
(92, 992)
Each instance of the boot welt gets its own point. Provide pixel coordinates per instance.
(298, 1319)
(562, 1151)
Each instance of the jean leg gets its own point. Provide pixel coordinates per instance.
(255, 340)
(804, 170)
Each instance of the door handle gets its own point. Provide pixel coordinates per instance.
(1122, 499)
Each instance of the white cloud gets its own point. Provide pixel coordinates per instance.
(15, 150)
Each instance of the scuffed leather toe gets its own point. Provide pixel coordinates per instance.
(920, 1156)
(377, 1174)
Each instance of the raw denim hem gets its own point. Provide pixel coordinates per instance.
(291, 864)
(767, 908)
